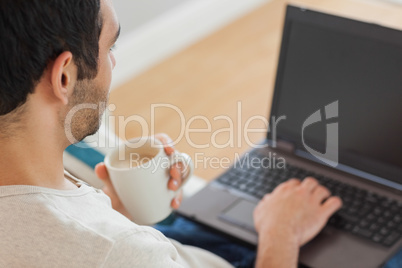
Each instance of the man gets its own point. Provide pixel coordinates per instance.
(55, 55)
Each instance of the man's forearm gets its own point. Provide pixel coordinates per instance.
(277, 251)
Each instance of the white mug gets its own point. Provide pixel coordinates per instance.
(140, 171)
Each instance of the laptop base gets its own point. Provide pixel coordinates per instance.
(216, 205)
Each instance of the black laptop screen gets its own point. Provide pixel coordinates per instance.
(356, 69)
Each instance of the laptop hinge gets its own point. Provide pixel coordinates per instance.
(284, 146)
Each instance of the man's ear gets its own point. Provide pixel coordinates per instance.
(63, 76)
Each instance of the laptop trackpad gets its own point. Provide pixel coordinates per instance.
(240, 213)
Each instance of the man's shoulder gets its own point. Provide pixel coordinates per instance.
(80, 226)
(83, 210)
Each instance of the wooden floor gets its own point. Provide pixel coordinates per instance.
(234, 67)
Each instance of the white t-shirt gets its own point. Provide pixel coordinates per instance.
(41, 227)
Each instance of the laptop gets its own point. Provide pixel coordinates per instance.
(336, 116)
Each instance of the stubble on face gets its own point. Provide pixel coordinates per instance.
(84, 121)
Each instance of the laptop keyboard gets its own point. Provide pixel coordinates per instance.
(364, 213)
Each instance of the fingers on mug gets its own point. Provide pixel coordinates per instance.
(188, 169)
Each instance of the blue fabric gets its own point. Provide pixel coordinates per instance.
(395, 261)
(85, 154)
(190, 233)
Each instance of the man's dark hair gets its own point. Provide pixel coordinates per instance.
(35, 32)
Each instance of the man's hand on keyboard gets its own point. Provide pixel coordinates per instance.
(289, 217)
(296, 207)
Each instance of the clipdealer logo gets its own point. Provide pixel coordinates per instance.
(331, 154)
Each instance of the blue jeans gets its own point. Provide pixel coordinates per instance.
(239, 255)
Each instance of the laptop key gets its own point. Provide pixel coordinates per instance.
(374, 227)
(242, 186)
(377, 211)
(387, 214)
(391, 239)
(377, 238)
(364, 224)
(252, 191)
(348, 227)
(225, 179)
(370, 217)
(391, 225)
(348, 217)
(384, 231)
(372, 198)
(362, 231)
(364, 211)
(352, 210)
(381, 220)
